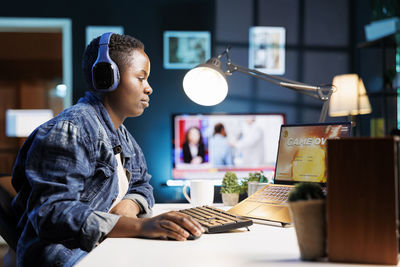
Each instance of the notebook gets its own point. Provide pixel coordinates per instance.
(301, 157)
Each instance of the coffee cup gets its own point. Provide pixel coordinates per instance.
(201, 192)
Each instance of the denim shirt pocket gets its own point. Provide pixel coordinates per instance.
(101, 178)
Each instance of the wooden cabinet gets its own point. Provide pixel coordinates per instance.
(362, 202)
(30, 68)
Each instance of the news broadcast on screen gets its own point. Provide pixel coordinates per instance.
(205, 146)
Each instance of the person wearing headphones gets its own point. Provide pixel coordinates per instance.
(81, 177)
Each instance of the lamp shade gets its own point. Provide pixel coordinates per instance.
(350, 96)
(205, 85)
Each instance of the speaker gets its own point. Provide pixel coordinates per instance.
(105, 73)
(362, 201)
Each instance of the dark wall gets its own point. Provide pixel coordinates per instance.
(318, 47)
(374, 61)
(146, 20)
(321, 41)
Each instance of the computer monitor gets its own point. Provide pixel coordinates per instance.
(205, 146)
(21, 122)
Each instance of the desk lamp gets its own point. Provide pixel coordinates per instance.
(350, 98)
(206, 83)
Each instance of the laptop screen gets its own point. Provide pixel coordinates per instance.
(302, 151)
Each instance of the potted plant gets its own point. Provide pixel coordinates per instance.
(230, 189)
(307, 210)
(255, 181)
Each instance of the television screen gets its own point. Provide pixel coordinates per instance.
(205, 146)
(22, 122)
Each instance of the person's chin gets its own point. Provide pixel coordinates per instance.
(137, 112)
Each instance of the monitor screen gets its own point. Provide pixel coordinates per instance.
(302, 151)
(205, 146)
(21, 122)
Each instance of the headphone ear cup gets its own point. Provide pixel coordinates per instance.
(105, 73)
(105, 76)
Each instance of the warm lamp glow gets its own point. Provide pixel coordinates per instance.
(205, 86)
(350, 96)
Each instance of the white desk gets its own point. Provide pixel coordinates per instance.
(263, 245)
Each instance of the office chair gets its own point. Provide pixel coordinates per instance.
(8, 223)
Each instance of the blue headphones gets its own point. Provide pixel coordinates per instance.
(105, 73)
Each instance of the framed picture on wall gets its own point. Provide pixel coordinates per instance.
(186, 49)
(267, 49)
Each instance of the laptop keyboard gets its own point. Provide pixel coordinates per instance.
(272, 194)
(215, 220)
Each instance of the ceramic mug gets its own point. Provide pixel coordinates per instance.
(201, 192)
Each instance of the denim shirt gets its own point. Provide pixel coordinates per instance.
(66, 178)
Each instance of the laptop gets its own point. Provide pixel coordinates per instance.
(301, 157)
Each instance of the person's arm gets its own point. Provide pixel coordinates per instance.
(187, 156)
(139, 198)
(253, 137)
(127, 207)
(57, 167)
(173, 225)
(201, 152)
(229, 155)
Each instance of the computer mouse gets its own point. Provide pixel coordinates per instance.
(192, 237)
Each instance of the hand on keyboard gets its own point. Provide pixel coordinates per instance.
(171, 225)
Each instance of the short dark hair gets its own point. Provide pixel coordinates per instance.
(218, 128)
(120, 47)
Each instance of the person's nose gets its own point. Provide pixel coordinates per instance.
(148, 90)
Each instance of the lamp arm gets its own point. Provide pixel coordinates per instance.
(256, 74)
(324, 111)
(233, 67)
(283, 82)
(310, 90)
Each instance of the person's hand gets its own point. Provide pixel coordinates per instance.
(126, 207)
(232, 143)
(173, 225)
(196, 160)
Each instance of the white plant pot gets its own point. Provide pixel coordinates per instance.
(308, 217)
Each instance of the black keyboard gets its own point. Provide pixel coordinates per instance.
(215, 220)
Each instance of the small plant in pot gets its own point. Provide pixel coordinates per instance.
(230, 189)
(255, 182)
(307, 210)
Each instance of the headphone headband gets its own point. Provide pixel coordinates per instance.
(105, 38)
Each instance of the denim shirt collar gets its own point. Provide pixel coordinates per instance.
(116, 137)
(96, 102)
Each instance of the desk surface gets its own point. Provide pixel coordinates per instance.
(263, 245)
